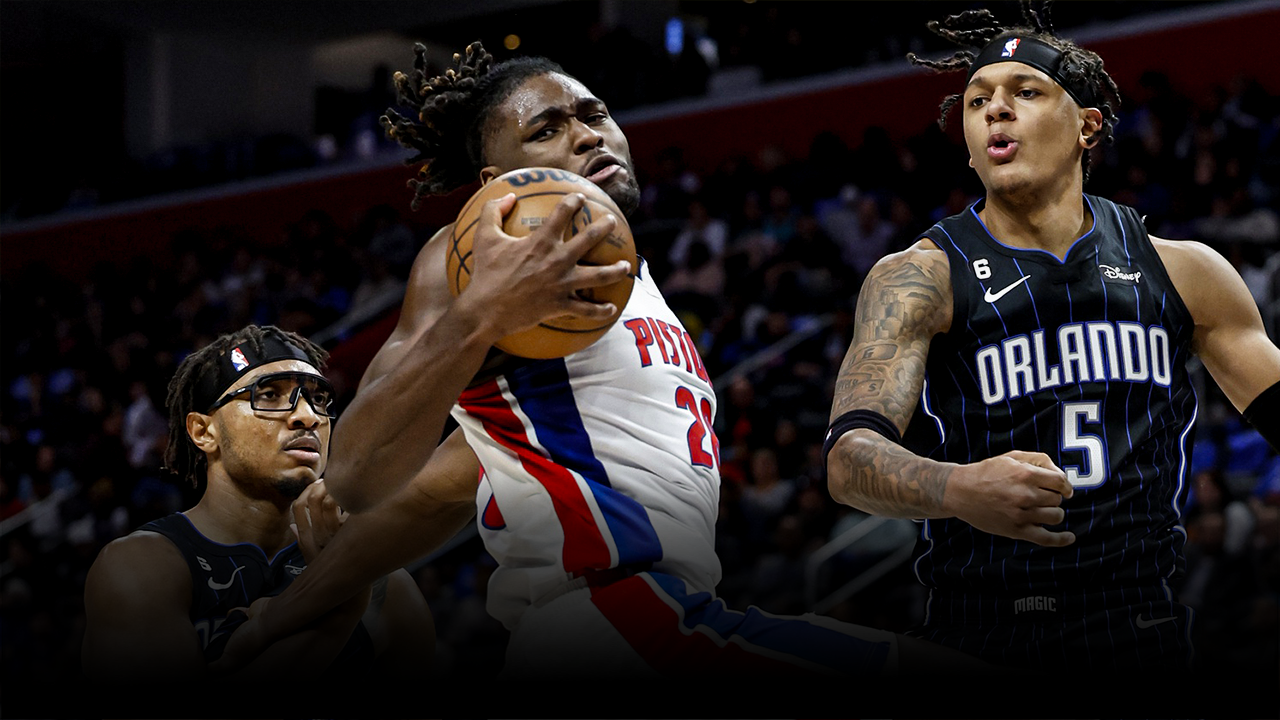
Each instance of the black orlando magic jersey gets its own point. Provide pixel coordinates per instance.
(1082, 359)
(225, 577)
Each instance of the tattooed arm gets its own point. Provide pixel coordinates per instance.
(905, 301)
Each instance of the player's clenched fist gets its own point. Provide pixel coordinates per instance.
(1017, 495)
(532, 278)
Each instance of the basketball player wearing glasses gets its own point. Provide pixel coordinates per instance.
(250, 419)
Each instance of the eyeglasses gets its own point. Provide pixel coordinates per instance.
(278, 392)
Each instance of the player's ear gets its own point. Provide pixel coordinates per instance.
(1090, 127)
(201, 431)
(488, 173)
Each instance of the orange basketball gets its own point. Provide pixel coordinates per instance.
(537, 191)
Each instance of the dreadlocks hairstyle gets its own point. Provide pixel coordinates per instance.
(976, 29)
(452, 109)
(181, 456)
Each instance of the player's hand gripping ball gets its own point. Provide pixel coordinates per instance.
(537, 191)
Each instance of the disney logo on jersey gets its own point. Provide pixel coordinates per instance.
(1119, 275)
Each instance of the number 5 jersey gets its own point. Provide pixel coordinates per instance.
(1083, 359)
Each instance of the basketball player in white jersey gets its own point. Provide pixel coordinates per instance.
(598, 473)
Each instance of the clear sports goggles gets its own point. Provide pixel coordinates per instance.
(278, 392)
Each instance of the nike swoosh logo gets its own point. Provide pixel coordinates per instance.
(992, 297)
(227, 584)
(1145, 623)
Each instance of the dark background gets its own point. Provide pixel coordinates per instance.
(173, 170)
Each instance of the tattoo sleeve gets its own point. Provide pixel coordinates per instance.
(905, 300)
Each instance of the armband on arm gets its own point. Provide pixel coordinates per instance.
(854, 419)
(1264, 415)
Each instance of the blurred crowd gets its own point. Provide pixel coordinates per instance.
(763, 258)
(714, 49)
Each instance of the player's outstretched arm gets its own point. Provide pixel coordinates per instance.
(407, 526)
(905, 301)
(399, 412)
(1229, 337)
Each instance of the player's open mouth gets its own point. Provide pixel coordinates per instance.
(602, 175)
(1001, 147)
(602, 169)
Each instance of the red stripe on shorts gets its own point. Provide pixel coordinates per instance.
(584, 545)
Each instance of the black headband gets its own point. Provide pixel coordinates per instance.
(1039, 55)
(233, 365)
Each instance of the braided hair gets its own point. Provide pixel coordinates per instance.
(181, 456)
(451, 110)
(976, 29)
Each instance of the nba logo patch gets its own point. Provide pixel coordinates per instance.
(1010, 47)
(238, 361)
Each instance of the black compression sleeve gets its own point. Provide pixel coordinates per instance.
(1264, 415)
(859, 419)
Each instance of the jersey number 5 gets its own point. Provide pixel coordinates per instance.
(1093, 471)
(700, 429)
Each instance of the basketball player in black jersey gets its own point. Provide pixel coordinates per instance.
(1017, 381)
(250, 415)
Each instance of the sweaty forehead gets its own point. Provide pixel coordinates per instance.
(541, 93)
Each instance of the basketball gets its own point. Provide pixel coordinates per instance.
(537, 191)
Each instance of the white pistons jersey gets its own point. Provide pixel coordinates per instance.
(603, 459)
